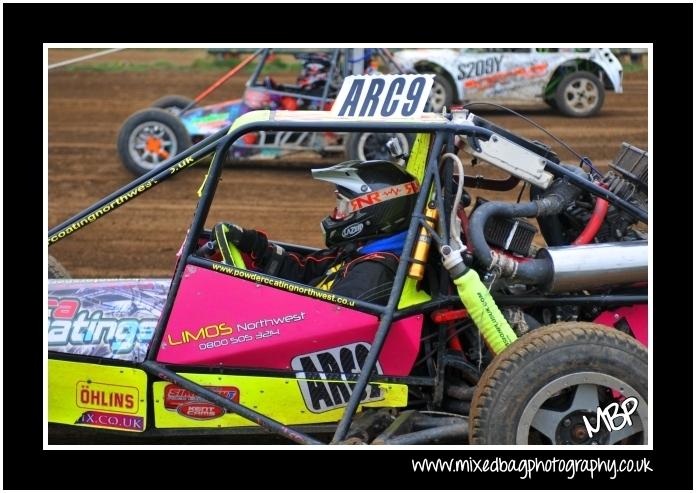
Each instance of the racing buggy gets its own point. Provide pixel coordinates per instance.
(173, 123)
(486, 338)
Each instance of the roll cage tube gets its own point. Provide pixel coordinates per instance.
(443, 129)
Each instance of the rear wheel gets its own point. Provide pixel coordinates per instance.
(579, 94)
(173, 103)
(547, 386)
(368, 146)
(150, 137)
(56, 270)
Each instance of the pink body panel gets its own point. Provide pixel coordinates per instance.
(222, 320)
(635, 315)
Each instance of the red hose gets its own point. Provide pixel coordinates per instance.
(454, 342)
(595, 222)
(464, 219)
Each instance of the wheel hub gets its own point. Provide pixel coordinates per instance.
(571, 430)
(153, 144)
(581, 95)
(150, 143)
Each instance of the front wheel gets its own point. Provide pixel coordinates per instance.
(441, 94)
(150, 137)
(579, 94)
(555, 385)
(369, 146)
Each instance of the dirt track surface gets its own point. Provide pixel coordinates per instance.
(85, 113)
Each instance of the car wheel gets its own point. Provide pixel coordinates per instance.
(173, 103)
(150, 137)
(579, 94)
(368, 146)
(56, 270)
(441, 94)
(542, 388)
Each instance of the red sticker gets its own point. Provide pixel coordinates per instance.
(200, 410)
(194, 406)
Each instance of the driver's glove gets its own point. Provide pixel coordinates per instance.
(247, 240)
(232, 232)
(268, 255)
(244, 239)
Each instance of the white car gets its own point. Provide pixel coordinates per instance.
(573, 81)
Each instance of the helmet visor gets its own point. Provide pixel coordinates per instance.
(343, 207)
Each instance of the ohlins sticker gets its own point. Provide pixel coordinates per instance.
(190, 405)
(107, 397)
(326, 386)
(75, 329)
(383, 96)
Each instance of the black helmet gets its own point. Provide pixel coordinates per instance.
(373, 199)
(315, 70)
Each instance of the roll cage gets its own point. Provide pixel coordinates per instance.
(442, 130)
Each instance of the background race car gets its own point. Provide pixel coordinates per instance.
(572, 81)
(173, 123)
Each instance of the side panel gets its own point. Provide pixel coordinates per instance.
(636, 316)
(97, 396)
(209, 119)
(509, 76)
(105, 318)
(280, 398)
(218, 319)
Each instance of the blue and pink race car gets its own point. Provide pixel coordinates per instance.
(173, 123)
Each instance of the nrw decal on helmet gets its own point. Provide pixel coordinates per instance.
(352, 230)
(326, 386)
(383, 195)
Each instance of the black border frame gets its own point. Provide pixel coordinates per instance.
(668, 27)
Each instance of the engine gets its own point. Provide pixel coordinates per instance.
(627, 178)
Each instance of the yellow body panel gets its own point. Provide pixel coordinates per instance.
(97, 396)
(278, 398)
